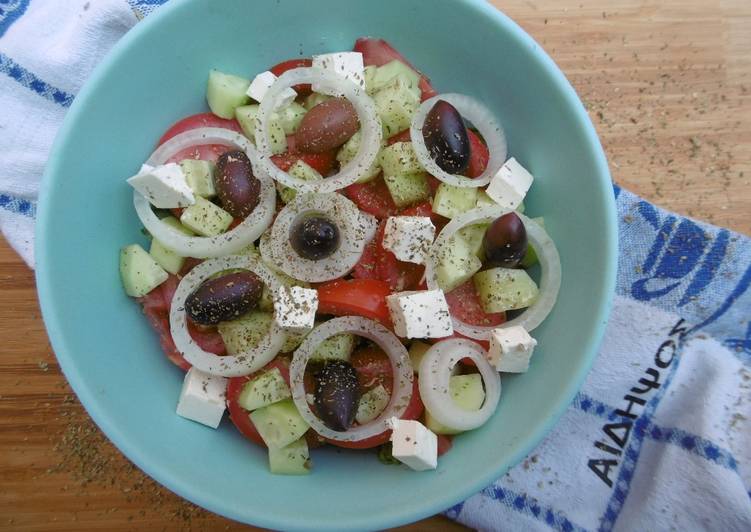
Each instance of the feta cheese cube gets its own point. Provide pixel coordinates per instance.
(509, 186)
(510, 349)
(164, 186)
(261, 85)
(295, 308)
(420, 314)
(413, 444)
(202, 398)
(348, 65)
(409, 237)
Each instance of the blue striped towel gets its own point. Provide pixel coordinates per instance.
(659, 437)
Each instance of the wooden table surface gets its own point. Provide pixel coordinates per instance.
(668, 86)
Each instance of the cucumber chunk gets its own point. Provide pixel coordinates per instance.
(468, 394)
(165, 257)
(473, 235)
(451, 201)
(337, 347)
(407, 189)
(396, 104)
(279, 424)
(300, 170)
(530, 256)
(225, 93)
(266, 389)
(417, 350)
(292, 459)
(139, 271)
(502, 289)
(313, 99)
(369, 75)
(245, 332)
(348, 151)
(400, 158)
(199, 176)
(246, 117)
(456, 263)
(290, 117)
(372, 404)
(385, 74)
(483, 200)
(266, 303)
(205, 218)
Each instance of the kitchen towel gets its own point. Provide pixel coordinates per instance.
(659, 436)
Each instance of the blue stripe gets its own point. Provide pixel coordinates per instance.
(10, 11)
(18, 205)
(737, 292)
(524, 504)
(32, 82)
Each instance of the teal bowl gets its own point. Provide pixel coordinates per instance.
(157, 74)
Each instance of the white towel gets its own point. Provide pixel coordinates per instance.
(659, 437)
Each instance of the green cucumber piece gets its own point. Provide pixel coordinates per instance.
(199, 176)
(473, 235)
(385, 74)
(279, 424)
(368, 75)
(166, 258)
(313, 99)
(407, 189)
(300, 170)
(468, 394)
(139, 271)
(348, 151)
(502, 289)
(400, 158)
(396, 104)
(225, 93)
(530, 256)
(292, 459)
(337, 347)
(266, 389)
(483, 200)
(205, 218)
(290, 117)
(277, 137)
(245, 332)
(246, 117)
(451, 201)
(456, 263)
(372, 404)
(266, 303)
(417, 350)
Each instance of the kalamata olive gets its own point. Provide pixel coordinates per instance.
(446, 138)
(337, 394)
(314, 237)
(505, 241)
(238, 189)
(224, 298)
(327, 125)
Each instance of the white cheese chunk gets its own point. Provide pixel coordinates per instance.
(261, 85)
(510, 185)
(413, 444)
(420, 314)
(348, 65)
(409, 237)
(202, 398)
(164, 186)
(295, 308)
(510, 349)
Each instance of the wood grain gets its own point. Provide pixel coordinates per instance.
(668, 86)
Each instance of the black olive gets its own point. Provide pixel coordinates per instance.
(505, 241)
(315, 237)
(238, 189)
(224, 298)
(446, 138)
(337, 394)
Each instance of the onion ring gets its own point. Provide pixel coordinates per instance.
(226, 243)
(400, 365)
(481, 118)
(225, 366)
(435, 374)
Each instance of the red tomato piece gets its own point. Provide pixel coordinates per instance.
(426, 209)
(479, 155)
(241, 417)
(464, 305)
(302, 89)
(160, 323)
(366, 267)
(207, 338)
(404, 136)
(323, 162)
(444, 444)
(208, 152)
(399, 275)
(372, 197)
(359, 297)
(378, 52)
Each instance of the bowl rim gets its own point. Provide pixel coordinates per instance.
(394, 516)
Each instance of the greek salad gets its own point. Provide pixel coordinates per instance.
(339, 256)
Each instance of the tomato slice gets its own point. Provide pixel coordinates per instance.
(323, 162)
(302, 89)
(404, 136)
(358, 297)
(378, 52)
(160, 323)
(373, 368)
(479, 155)
(241, 417)
(207, 338)
(444, 444)
(426, 209)
(366, 267)
(208, 152)
(372, 197)
(464, 305)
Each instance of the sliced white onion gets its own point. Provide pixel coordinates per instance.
(355, 231)
(480, 117)
(226, 366)
(327, 82)
(198, 246)
(547, 255)
(435, 374)
(400, 366)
